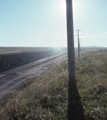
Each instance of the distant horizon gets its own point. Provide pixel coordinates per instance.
(43, 46)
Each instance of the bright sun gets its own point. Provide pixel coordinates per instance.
(63, 6)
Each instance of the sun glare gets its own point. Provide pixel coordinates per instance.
(63, 6)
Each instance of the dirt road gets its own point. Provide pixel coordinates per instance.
(12, 79)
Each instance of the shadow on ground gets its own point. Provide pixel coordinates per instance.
(75, 108)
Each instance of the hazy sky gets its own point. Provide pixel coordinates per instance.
(43, 22)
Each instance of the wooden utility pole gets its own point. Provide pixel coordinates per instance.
(71, 54)
(78, 43)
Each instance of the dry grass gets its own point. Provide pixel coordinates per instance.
(92, 84)
(46, 98)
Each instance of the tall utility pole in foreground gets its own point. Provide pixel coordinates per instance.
(78, 43)
(71, 54)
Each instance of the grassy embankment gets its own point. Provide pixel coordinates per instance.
(13, 50)
(9, 50)
(46, 98)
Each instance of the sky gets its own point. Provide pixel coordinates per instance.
(42, 23)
